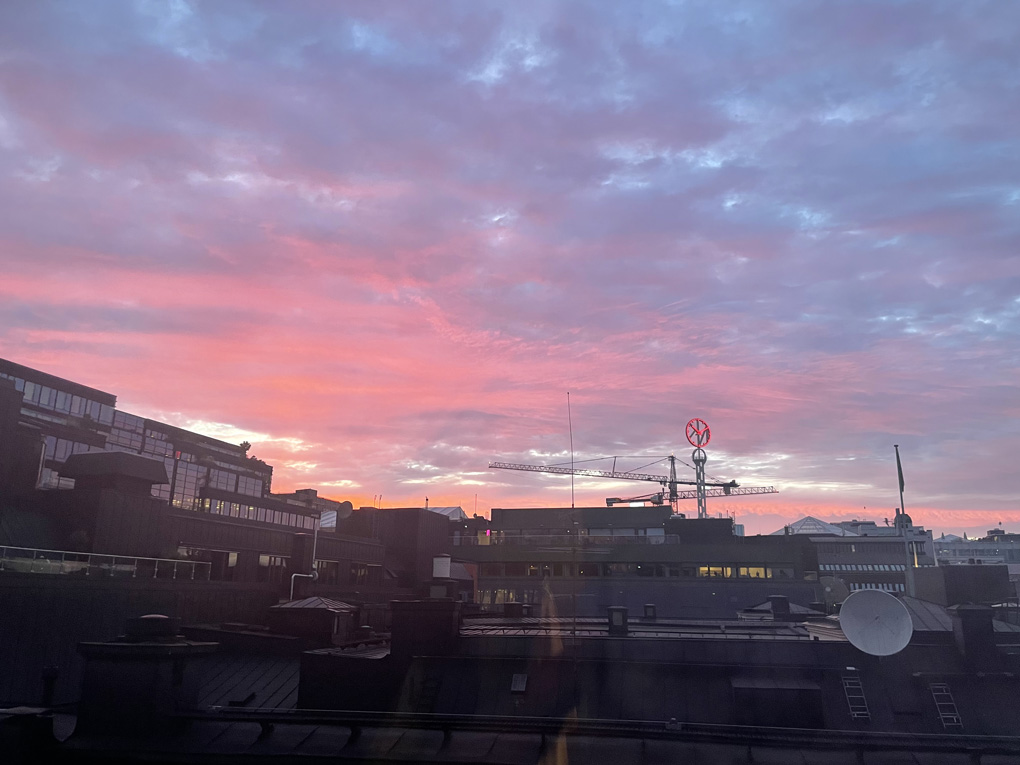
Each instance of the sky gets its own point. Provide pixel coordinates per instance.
(383, 241)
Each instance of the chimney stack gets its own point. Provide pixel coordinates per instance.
(135, 683)
(617, 620)
(780, 608)
(974, 634)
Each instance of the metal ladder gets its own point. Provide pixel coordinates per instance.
(946, 706)
(855, 697)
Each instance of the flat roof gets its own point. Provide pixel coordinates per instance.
(671, 629)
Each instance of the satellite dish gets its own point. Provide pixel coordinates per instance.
(833, 591)
(875, 622)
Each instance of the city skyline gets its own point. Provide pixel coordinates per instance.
(382, 245)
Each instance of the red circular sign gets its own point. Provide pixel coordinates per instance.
(698, 432)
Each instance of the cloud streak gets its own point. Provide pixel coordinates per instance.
(402, 234)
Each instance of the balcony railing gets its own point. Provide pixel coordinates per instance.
(32, 561)
(564, 540)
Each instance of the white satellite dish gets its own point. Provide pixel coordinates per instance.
(876, 622)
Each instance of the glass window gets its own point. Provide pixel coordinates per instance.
(359, 573)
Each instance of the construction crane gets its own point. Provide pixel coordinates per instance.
(669, 483)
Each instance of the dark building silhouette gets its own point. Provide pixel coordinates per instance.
(583, 560)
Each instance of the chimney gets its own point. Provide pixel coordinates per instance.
(780, 608)
(134, 684)
(974, 634)
(617, 620)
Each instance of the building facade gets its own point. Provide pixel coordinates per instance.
(864, 556)
(212, 503)
(584, 560)
(69, 418)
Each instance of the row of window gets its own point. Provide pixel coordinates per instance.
(651, 531)
(844, 548)
(587, 569)
(128, 422)
(255, 513)
(969, 552)
(332, 572)
(222, 479)
(862, 567)
(273, 568)
(126, 438)
(886, 586)
(509, 595)
(60, 449)
(61, 401)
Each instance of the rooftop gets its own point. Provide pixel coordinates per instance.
(811, 525)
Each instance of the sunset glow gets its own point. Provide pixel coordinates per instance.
(382, 241)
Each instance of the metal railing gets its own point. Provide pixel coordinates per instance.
(27, 560)
(564, 540)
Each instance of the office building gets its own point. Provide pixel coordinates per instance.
(861, 555)
(583, 560)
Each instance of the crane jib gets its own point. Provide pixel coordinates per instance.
(663, 479)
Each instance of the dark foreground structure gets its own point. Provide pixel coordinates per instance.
(510, 689)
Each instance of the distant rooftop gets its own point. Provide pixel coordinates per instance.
(454, 513)
(317, 602)
(811, 525)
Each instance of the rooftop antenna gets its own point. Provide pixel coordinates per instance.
(876, 622)
(570, 427)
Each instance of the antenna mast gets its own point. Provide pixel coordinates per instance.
(570, 428)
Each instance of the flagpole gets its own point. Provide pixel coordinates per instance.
(899, 471)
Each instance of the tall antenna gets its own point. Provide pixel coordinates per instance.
(570, 427)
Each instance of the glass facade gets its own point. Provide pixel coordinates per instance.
(256, 512)
(192, 461)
